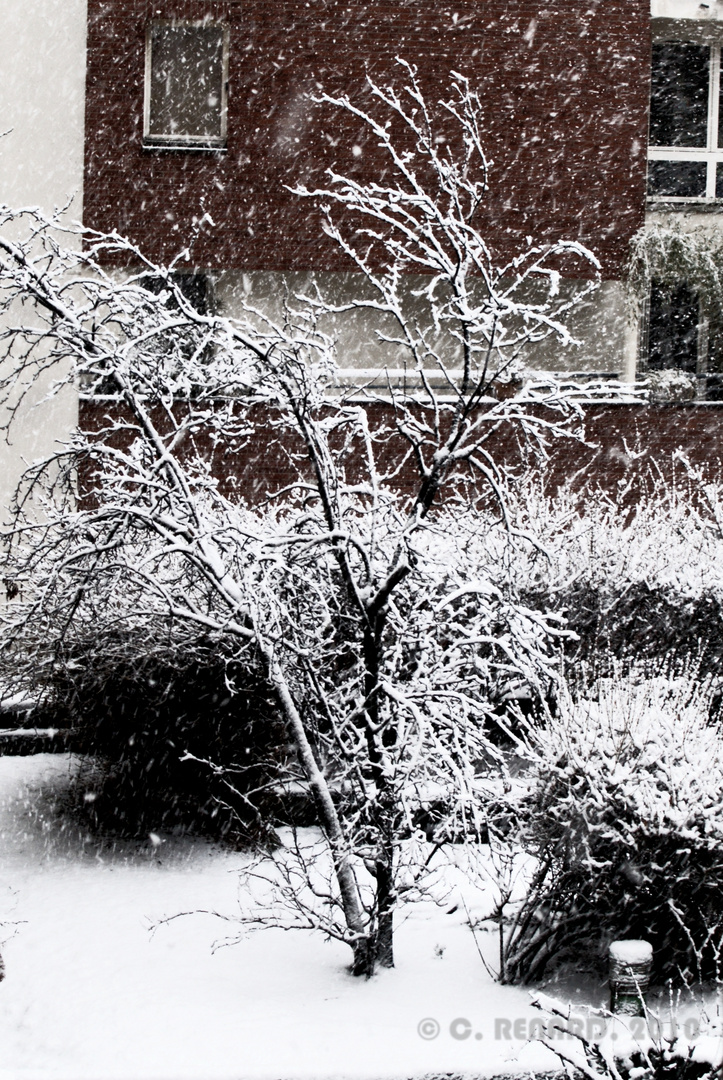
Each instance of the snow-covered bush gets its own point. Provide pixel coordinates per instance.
(647, 1049)
(181, 736)
(625, 819)
(669, 254)
(672, 385)
(637, 578)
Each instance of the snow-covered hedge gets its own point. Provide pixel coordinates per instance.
(181, 738)
(625, 818)
(636, 577)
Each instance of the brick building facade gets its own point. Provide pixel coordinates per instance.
(564, 86)
(566, 92)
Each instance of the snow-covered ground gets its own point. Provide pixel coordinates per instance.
(90, 992)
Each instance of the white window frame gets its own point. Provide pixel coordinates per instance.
(185, 142)
(711, 154)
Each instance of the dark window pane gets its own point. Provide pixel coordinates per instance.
(719, 180)
(193, 286)
(185, 342)
(679, 94)
(714, 388)
(186, 82)
(714, 360)
(673, 329)
(677, 178)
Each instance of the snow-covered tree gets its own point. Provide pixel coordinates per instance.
(352, 589)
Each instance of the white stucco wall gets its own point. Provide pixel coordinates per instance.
(686, 9)
(601, 324)
(42, 92)
(42, 89)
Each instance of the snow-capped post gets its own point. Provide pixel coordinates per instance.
(630, 965)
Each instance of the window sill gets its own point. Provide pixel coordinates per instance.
(671, 202)
(186, 148)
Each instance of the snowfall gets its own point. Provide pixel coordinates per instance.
(97, 985)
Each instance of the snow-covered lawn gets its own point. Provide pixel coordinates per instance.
(91, 992)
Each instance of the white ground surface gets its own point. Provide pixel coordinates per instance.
(91, 993)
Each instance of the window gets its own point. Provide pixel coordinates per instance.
(195, 287)
(674, 326)
(180, 344)
(186, 77)
(685, 149)
(175, 346)
(678, 336)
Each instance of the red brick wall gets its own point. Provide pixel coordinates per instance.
(565, 118)
(625, 445)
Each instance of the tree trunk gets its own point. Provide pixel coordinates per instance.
(328, 816)
(377, 949)
(364, 961)
(384, 812)
(386, 900)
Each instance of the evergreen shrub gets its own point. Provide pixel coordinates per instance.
(184, 738)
